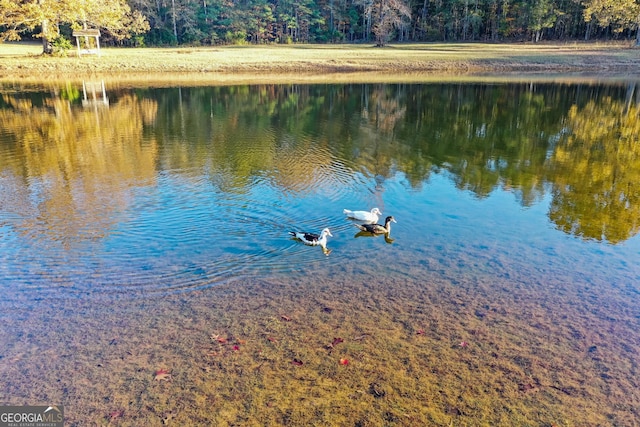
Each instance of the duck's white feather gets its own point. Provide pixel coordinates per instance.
(371, 217)
(312, 239)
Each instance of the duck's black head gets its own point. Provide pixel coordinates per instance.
(389, 219)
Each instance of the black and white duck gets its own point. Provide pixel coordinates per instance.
(378, 228)
(370, 217)
(313, 239)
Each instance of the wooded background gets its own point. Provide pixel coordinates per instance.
(208, 22)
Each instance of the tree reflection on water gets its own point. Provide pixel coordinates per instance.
(579, 143)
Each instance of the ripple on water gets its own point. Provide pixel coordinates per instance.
(186, 228)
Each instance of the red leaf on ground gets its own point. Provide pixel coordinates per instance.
(420, 332)
(162, 374)
(114, 415)
(463, 344)
(285, 318)
(236, 347)
(344, 361)
(297, 362)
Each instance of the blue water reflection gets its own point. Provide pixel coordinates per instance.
(182, 190)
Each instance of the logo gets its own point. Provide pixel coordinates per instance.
(31, 416)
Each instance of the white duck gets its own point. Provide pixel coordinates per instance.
(313, 239)
(371, 217)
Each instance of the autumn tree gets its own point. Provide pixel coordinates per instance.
(619, 15)
(387, 16)
(317, 21)
(20, 16)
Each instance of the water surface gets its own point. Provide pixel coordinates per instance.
(150, 231)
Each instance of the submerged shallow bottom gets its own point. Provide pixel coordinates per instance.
(326, 350)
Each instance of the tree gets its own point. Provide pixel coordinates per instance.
(387, 15)
(542, 16)
(20, 16)
(617, 14)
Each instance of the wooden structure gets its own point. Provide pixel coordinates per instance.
(88, 47)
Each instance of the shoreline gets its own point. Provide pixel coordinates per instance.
(327, 63)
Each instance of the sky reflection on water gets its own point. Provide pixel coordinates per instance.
(210, 180)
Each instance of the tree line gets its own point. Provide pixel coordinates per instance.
(211, 22)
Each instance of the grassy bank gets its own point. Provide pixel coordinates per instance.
(324, 62)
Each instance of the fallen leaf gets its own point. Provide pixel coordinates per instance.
(219, 339)
(344, 361)
(463, 344)
(162, 374)
(236, 347)
(285, 318)
(336, 341)
(297, 362)
(420, 332)
(114, 415)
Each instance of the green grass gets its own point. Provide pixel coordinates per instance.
(318, 62)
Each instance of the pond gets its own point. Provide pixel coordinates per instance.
(148, 276)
